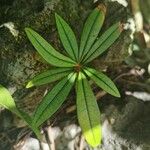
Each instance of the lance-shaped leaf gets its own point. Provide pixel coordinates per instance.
(91, 29)
(67, 37)
(88, 112)
(7, 102)
(47, 51)
(102, 81)
(104, 42)
(53, 100)
(49, 76)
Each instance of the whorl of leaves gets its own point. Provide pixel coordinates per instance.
(70, 70)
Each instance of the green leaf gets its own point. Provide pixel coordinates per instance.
(67, 37)
(28, 120)
(7, 102)
(102, 81)
(47, 51)
(88, 112)
(104, 42)
(53, 100)
(49, 76)
(91, 29)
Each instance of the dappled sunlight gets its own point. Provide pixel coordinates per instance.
(93, 136)
(71, 77)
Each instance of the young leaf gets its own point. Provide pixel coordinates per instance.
(102, 81)
(49, 76)
(7, 101)
(104, 42)
(47, 51)
(88, 112)
(91, 29)
(67, 37)
(53, 100)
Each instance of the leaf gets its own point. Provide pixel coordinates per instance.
(28, 120)
(47, 51)
(91, 29)
(88, 112)
(49, 76)
(104, 42)
(7, 101)
(53, 100)
(67, 37)
(102, 81)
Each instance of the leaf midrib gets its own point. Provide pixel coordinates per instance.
(39, 116)
(85, 45)
(102, 81)
(68, 40)
(98, 47)
(88, 110)
(51, 75)
(48, 51)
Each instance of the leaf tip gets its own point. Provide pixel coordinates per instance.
(29, 84)
(93, 141)
(117, 94)
(121, 27)
(27, 29)
(56, 15)
(102, 8)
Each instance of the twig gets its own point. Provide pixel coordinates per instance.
(50, 140)
(81, 146)
(137, 15)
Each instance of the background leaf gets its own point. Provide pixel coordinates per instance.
(91, 29)
(47, 51)
(7, 102)
(88, 112)
(53, 100)
(67, 37)
(49, 76)
(104, 42)
(102, 81)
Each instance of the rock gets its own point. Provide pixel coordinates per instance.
(68, 138)
(126, 127)
(139, 95)
(71, 131)
(32, 144)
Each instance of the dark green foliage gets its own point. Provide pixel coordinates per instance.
(73, 71)
(90, 47)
